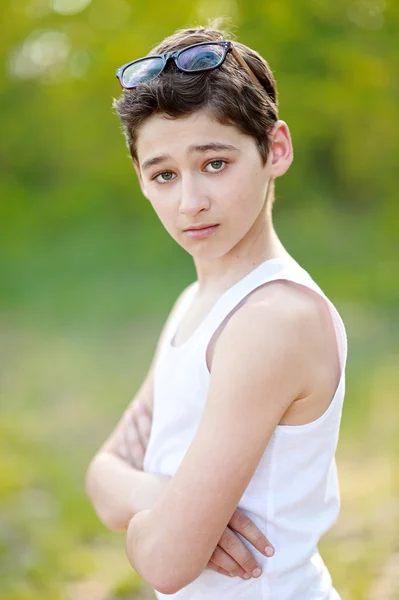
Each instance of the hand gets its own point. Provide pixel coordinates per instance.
(231, 556)
(134, 434)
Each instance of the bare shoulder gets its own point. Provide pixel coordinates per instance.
(286, 303)
(282, 322)
(293, 303)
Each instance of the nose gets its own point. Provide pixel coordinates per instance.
(193, 196)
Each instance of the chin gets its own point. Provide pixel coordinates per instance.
(208, 249)
(208, 252)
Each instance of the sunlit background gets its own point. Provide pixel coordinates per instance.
(88, 274)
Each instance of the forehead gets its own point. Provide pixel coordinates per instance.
(162, 134)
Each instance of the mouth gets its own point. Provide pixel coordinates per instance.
(201, 231)
(198, 227)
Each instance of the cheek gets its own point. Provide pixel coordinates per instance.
(167, 214)
(243, 183)
(253, 188)
(240, 200)
(163, 208)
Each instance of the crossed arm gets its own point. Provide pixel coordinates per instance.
(248, 395)
(175, 526)
(119, 489)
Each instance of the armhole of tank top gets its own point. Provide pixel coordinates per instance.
(341, 341)
(340, 337)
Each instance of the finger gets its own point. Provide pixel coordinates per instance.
(134, 448)
(137, 455)
(131, 429)
(122, 450)
(139, 407)
(142, 423)
(220, 564)
(214, 567)
(247, 528)
(143, 428)
(222, 559)
(130, 433)
(231, 543)
(147, 410)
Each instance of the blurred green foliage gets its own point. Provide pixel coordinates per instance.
(65, 169)
(88, 274)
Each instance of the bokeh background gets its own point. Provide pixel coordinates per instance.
(88, 275)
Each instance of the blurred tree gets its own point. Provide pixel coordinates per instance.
(64, 164)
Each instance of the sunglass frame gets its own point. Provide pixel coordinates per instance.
(227, 47)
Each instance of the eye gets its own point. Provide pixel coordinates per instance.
(165, 177)
(217, 165)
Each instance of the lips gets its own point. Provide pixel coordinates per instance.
(195, 227)
(202, 232)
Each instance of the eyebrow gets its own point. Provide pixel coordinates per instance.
(150, 162)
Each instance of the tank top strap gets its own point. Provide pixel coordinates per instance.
(266, 271)
(270, 270)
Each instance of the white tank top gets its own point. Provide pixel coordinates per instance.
(293, 496)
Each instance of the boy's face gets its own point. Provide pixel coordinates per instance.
(191, 180)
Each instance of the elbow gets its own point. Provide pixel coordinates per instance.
(173, 581)
(102, 510)
(109, 521)
(167, 589)
(165, 571)
(171, 578)
(168, 581)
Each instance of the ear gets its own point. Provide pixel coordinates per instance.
(139, 177)
(281, 151)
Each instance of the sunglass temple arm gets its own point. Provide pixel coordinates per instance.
(244, 65)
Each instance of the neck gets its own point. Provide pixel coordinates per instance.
(261, 243)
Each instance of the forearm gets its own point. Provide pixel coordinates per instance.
(118, 491)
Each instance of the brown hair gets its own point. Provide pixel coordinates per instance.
(227, 92)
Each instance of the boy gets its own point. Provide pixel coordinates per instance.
(247, 385)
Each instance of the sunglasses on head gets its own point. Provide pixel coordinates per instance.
(196, 58)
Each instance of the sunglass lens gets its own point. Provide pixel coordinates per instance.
(141, 71)
(203, 57)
